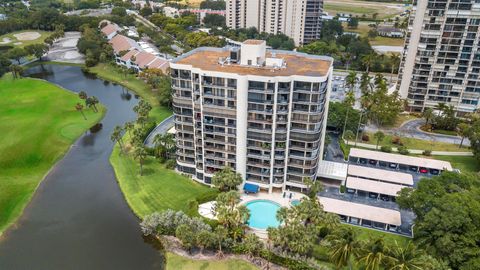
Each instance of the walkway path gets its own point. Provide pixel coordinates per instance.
(416, 151)
(162, 128)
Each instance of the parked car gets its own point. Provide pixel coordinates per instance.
(372, 162)
(423, 170)
(434, 171)
(372, 195)
(392, 165)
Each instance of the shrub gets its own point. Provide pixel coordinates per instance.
(396, 140)
(403, 150)
(166, 223)
(170, 164)
(427, 152)
(386, 149)
(365, 137)
(343, 189)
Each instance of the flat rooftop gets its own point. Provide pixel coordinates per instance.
(332, 170)
(373, 186)
(379, 174)
(208, 59)
(401, 159)
(362, 211)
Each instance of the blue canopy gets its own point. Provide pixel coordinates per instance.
(250, 188)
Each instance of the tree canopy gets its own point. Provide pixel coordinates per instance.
(448, 217)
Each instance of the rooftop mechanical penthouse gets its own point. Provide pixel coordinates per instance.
(261, 112)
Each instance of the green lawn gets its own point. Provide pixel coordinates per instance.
(176, 262)
(363, 29)
(360, 8)
(463, 163)
(38, 123)
(159, 188)
(412, 143)
(13, 39)
(112, 73)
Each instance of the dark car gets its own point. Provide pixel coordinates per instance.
(363, 161)
(434, 171)
(413, 168)
(372, 162)
(372, 195)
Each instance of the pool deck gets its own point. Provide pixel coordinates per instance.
(274, 197)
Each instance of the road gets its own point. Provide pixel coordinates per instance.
(162, 128)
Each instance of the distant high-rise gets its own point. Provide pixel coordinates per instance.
(298, 19)
(441, 62)
(261, 112)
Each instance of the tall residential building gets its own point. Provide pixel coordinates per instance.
(441, 62)
(298, 19)
(261, 112)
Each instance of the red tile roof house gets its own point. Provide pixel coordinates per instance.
(110, 30)
(139, 61)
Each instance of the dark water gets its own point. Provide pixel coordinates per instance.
(78, 218)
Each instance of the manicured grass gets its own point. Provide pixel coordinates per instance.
(41, 39)
(38, 124)
(159, 188)
(360, 8)
(112, 73)
(176, 262)
(366, 233)
(363, 29)
(463, 163)
(412, 143)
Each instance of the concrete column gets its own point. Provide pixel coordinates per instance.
(242, 115)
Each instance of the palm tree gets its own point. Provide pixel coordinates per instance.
(349, 101)
(158, 141)
(348, 135)
(374, 254)
(94, 100)
(367, 60)
(463, 130)
(82, 95)
(379, 136)
(140, 154)
(428, 115)
(344, 247)
(117, 136)
(351, 79)
(406, 258)
(79, 107)
(129, 126)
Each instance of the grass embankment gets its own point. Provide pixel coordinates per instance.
(159, 188)
(176, 262)
(23, 42)
(38, 123)
(113, 74)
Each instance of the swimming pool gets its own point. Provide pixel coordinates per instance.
(295, 202)
(263, 214)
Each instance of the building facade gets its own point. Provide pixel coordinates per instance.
(441, 60)
(298, 19)
(261, 112)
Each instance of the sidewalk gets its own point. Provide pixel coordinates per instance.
(414, 151)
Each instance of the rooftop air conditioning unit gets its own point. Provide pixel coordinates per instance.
(235, 55)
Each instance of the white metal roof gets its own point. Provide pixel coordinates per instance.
(379, 174)
(373, 186)
(362, 211)
(401, 159)
(332, 170)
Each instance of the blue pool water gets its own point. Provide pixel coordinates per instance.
(263, 214)
(295, 202)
